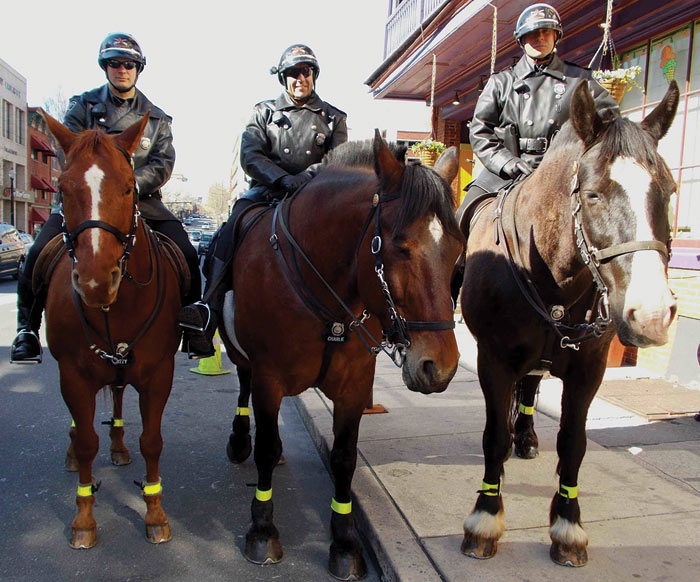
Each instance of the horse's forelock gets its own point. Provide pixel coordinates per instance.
(625, 138)
(423, 191)
(87, 143)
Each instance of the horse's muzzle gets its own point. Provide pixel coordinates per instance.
(96, 293)
(424, 375)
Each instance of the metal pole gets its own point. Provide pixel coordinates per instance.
(12, 196)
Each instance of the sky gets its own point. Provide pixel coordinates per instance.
(208, 63)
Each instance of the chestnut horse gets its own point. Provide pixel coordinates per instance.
(580, 250)
(111, 310)
(362, 252)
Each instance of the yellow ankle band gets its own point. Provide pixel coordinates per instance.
(568, 492)
(241, 411)
(263, 495)
(341, 508)
(526, 409)
(118, 422)
(152, 488)
(85, 490)
(490, 490)
(72, 423)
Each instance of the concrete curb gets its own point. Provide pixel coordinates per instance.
(397, 549)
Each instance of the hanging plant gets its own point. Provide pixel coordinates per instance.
(428, 150)
(617, 80)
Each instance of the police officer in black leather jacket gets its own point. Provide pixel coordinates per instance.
(282, 148)
(521, 108)
(113, 107)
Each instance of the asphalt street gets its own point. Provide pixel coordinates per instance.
(207, 499)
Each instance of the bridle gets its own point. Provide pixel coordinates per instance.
(572, 335)
(395, 340)
(127, 240)
(119, 354)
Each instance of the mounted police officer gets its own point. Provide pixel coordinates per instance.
(523, 107)
(282, 148)
(112, 108)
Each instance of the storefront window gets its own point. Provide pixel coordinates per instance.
(633, 97)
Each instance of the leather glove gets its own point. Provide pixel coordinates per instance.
(291, 183)
(515, 167)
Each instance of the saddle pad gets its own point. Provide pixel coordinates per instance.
(46, 263)
(177, 260)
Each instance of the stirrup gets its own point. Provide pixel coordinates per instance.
(31, 360)
(190, 317)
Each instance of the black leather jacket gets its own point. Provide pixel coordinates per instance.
(282, 138)
(535, 104)
(154, 157)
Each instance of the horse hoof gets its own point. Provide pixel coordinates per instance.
(238, 449)
(158, 534)
(568, 555)
(479, 548)
(71, 464)
(281, 460)
(121, 458)
(83, 539)
(263, 551)
(527, 452)
(347, 566)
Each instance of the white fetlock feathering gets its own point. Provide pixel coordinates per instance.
(568, 533)
(485, 525)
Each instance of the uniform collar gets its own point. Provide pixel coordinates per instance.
(525, 68)
(284, 102)
(140, 103)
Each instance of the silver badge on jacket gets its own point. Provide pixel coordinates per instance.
(559, 88)
(145, 143)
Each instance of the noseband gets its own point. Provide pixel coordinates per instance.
(398, 332)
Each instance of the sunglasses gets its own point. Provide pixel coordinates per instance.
(296, 71)
(115, 64)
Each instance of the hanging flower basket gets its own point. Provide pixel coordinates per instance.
(428, 151)
(615, 87)
(617, 81)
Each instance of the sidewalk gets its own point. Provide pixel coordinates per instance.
(419, 467)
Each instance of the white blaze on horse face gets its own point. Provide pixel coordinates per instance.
(93, 178)
(648, 294)
(436, 229)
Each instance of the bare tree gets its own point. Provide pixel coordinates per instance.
(57, 105)
(218, 201)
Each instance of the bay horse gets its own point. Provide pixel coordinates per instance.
(111, 310)
(578, 252)
(357, 262)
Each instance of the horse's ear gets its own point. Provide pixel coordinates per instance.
(584, 116)
(129, 138)
(656, 124)
(64, 136)
(388, 169)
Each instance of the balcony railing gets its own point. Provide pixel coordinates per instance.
(407, 18)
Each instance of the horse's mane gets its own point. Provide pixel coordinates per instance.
(430, 193)
(620, 137)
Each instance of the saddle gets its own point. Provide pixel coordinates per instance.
(52, 253)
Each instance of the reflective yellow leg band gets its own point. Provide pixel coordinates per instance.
(118, 422)
(526, 409)
(568, 492)
(263, 495)
(72, 423)
(85, 490)
(241, 411)
(341, 508)
(152, 488)
(490, 490)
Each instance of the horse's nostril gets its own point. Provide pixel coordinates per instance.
(115, 277)
(429, 369)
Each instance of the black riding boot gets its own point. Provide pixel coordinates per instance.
(198, 320)
(26, 348)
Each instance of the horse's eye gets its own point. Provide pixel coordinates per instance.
(592, 196)
(128, 191)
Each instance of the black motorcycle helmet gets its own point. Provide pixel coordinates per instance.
(297, 54)
(120, 45)
(535, 17)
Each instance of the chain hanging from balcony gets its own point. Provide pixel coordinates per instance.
(494, 38)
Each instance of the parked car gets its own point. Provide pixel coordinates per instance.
(12, 251)
(204, 242)
(27, 239)
(195, 235)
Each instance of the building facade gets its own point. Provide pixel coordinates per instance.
(444, 51)
(16, 199)
(43, 169)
